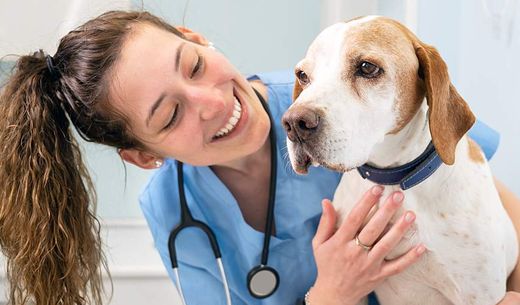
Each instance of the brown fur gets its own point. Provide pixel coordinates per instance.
(385, 45)
(449, 115)
(297, 90)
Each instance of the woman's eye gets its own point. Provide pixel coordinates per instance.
(197, 67)
(302, 77)
(173, 118)
(369, 70)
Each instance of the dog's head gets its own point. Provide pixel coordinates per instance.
(363, 80)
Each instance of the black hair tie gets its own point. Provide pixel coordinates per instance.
(55, 74)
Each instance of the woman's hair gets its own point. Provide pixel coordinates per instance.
(48, 229)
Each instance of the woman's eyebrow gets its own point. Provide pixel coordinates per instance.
(159, 100)
(154, 107)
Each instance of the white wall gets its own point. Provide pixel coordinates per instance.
(255, 35)
(480, 41)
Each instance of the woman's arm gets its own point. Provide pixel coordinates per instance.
(512, 205)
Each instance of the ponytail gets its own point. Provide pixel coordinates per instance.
(48, 231)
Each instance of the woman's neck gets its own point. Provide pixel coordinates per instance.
(249, 164)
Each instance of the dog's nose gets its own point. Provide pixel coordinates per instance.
(301, 123)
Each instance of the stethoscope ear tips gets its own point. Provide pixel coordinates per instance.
(262, 281)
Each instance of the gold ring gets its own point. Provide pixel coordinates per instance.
(362, 245)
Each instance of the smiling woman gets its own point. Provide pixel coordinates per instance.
(195, 97)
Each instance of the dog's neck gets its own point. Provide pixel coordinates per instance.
(405, 145)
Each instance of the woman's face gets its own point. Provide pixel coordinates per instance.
(186, 101)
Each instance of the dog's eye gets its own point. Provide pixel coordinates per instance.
(369, 70)
(302, 77)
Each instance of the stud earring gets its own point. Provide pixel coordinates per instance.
(211, 46)
(158, 163)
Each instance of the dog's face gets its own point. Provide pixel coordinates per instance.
(359, 82)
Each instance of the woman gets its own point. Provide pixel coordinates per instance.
(155, 92)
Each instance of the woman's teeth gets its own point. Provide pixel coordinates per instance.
(230, 125)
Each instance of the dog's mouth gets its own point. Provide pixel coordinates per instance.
(305, 156)
(302, 160)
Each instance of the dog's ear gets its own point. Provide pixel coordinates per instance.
(296, 90)
(449, 115)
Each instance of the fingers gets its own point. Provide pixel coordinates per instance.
(373, 229)
(383, 247)
(327, 224)
(398, 265)
(511, 298)
(352, 223)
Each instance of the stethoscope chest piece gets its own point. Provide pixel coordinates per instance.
(262, 281)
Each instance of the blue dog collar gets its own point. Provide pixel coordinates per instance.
(407, 175)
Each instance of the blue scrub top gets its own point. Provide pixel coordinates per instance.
(297, 213)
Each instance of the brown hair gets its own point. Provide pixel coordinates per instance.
(48, 230)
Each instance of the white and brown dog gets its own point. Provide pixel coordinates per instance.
(369, 92)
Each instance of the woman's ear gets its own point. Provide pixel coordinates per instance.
(193, 36)
(139, 158)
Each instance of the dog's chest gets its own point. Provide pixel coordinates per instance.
(464, 235)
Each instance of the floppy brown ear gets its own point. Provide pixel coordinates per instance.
(449, 115)
(296, 90)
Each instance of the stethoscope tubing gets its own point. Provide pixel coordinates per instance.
(187, 221)
(272, 188)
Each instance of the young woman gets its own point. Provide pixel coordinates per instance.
(159, 93)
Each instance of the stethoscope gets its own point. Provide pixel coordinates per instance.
(262, 280)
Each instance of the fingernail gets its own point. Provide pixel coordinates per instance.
(409, 217)
(420, 249)
(378, 190)
(398, 197)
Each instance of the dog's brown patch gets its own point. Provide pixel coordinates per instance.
(297, 89)
(388, 45)
(449, 115)
(415, 70)
(475, 153)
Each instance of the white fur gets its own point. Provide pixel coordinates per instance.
(471, 242)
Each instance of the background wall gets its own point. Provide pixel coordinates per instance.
(478, 39)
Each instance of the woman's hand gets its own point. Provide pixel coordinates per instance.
(347, 272)
(511, 298)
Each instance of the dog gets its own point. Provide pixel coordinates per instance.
(370, 95)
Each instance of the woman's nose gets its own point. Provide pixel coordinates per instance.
(209, 102)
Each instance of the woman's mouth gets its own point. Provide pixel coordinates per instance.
(232, 122)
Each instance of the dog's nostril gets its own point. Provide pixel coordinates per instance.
(287, 126)
(302, 124)
(309, 123)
